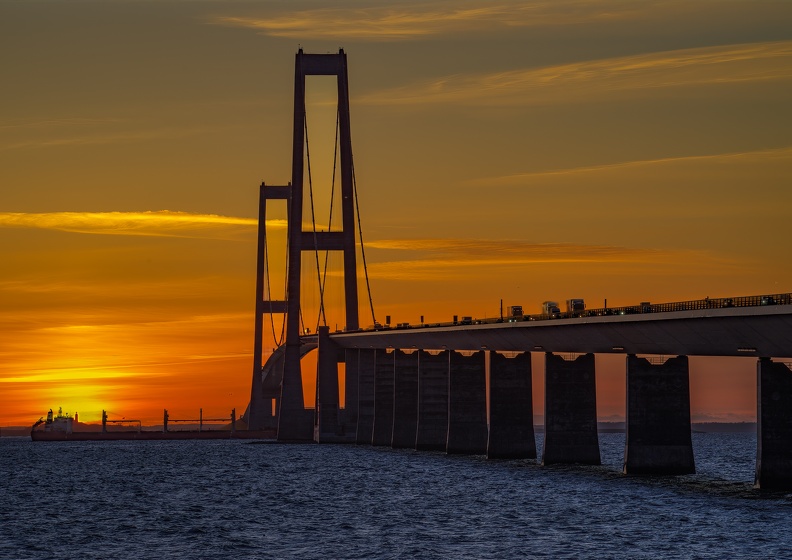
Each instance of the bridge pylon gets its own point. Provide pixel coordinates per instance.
(294, 421)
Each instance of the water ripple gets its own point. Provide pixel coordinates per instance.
(230, 499)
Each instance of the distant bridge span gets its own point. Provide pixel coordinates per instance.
(735, 331)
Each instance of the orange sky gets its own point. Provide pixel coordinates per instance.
(520, 151)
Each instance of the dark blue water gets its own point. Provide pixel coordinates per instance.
(233, 499)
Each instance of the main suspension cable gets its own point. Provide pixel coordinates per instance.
(321, 318)
(278, 340)
(362, 249)
(332, 199)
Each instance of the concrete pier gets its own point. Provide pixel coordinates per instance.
(511, 431)
(382, 433)
(658, 418)
(405, 400)
(264, 410)
(295, 422)
(328, 427)
(349, 415)
(365, 420)
(467, 404)
(432, 431)
(570, 411)
(774, 426)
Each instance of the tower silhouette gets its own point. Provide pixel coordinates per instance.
(280, 379)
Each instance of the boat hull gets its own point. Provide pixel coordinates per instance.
(37, 435)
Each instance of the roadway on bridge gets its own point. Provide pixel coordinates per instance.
(739, 331)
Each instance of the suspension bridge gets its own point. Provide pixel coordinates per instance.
(466, 386)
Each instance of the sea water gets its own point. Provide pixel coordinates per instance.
(237, 499)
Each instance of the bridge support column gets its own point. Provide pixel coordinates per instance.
(328, 426)
(774, 426)
(365, 420)
(382, 434)
(295, 422)
(432, 431)
(511, 431)
(658, 418)
(405, 400)
(349, 415)
(264, 408)
(570, 411)
(467, 404)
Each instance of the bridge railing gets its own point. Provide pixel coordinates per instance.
(643, 307)
(697, 304)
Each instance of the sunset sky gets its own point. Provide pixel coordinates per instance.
(515, 151)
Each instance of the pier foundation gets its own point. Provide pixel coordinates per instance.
(658, 418)
(467, 404)
(349, 415)
(511, 431)
(328, 426)
(774, 426)
(365, 419)
(295, 422)
(382, 433)
(263, 410)
(405, 400)
(570, 411)
(432, 431)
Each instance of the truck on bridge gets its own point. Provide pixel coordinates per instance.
(575, 307)
(514, 313)
(551, 309)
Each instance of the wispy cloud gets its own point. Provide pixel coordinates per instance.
(54, 123)
(157, 224)
(597, 79)
(439, 258)
(756, 156)
(75, 374)
(392, 23)
(97, 138)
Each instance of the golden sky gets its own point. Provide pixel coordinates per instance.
(515, 151)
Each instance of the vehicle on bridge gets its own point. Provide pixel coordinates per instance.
(575, 307)
(551, 309)
(514, 313)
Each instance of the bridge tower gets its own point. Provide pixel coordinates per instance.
(294, 422)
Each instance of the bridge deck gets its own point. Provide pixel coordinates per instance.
(738, 331)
